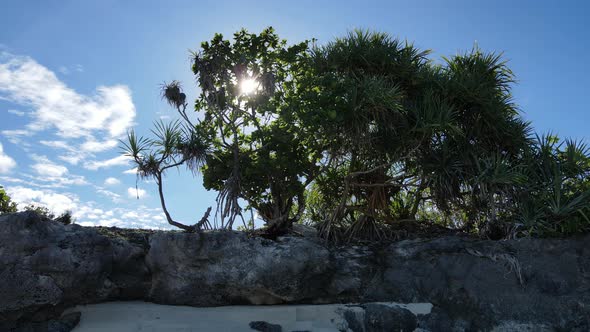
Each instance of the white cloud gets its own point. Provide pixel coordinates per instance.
(111, 181)
(16, 136)
(74, 154)
(56, 144)
(16, 112)
(45, 167)
(108, 113)
(130, 215)
(52, 175)
(117, 161)
(116, 198)
(96, 146)
(141, 217)
(136, 192)
(71, 158)
(16, 133)
(131, 171)
(88, 213)
(32, 183)
(6, 163)
(55, 202)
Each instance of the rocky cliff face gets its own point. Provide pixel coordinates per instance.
(473, 285)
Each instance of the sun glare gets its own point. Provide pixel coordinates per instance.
(248, 86)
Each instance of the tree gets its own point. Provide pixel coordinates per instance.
(258, 156)
(6, 204)
(554, 198)
(175, 144)
(364, 133)
(403, 131)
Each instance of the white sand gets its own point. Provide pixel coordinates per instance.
(143, 316)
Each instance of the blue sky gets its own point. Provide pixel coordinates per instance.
(75, 75)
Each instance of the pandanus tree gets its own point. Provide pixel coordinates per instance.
(363, 98)
(174, 144)
(404, 131)
(471, 168)
(555, 198)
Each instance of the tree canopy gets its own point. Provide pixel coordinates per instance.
(361, 134)
(6, 203)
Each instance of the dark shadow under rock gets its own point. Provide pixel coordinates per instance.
(66, 323)
(265, 327)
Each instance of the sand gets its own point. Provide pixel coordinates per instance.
(143, 316)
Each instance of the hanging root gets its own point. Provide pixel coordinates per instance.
(368, 229)
(509, 261)
(330, 231)
(203, 222)
(228, 207)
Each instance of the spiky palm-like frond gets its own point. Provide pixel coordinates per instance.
(172, 93)
(193, 148)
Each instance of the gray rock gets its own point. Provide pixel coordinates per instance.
(64, 324)
(383, 318)
(220, 268)
(46, 266)
(305, 231)
(475, 285)
(377, 317)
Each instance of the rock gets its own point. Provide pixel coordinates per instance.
(46, 266)
(384, 318)
(437, 320)
(220, 268)
(305, 231)
(378, 317)
(64, 324)
(477, 285)
(265, 327)
(355, 319)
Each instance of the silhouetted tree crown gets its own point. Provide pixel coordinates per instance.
(361, 135)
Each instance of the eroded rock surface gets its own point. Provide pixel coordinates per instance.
(46, 267)
(473, 285)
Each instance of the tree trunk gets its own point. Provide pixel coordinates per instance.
(196, 227)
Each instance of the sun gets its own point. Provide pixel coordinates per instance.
(248, 86)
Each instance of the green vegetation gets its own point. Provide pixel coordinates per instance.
(6, 204)
(362, 135)
(43, 212)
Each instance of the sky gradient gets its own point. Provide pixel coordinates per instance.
(76, 75)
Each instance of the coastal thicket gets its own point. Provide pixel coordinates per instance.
(362, 135)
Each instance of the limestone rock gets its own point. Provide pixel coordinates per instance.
(476, 285)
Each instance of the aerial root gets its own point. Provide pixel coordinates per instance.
(509, 261)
